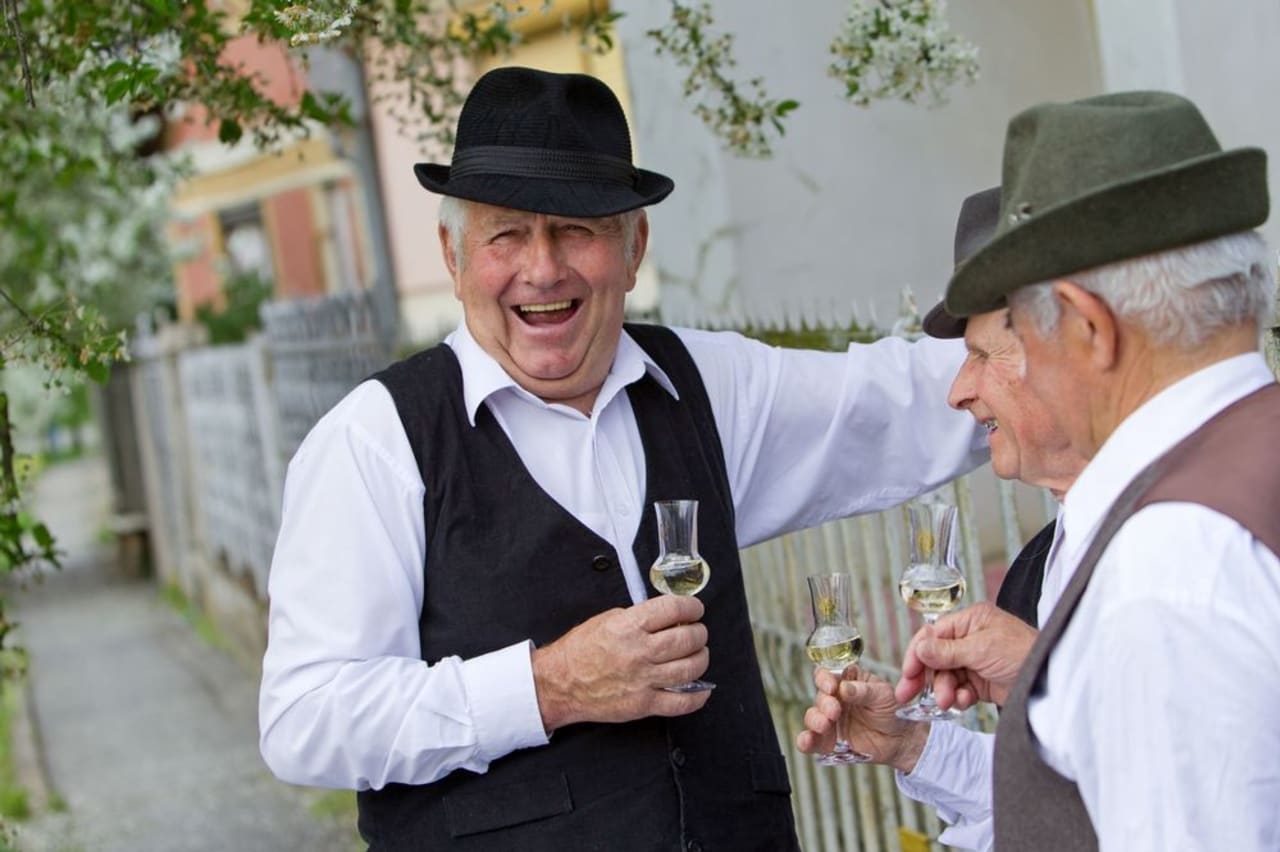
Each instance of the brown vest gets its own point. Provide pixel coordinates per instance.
(1231, 465)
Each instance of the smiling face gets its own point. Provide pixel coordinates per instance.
(544, 295)
(992, 386)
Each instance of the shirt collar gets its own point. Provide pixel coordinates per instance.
(1154, 428)
(483, 377)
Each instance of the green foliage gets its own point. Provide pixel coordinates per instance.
(203, 626)
(740, 114)
(832, 338)
(15, 802)
(244, 294)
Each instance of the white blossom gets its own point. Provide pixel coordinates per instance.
(900, 50)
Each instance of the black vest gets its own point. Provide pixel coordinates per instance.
(506, 563)
(1020, 590)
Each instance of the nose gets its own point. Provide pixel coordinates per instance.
(543, 263)
(963, 388)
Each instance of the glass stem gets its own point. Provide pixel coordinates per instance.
(926, 699)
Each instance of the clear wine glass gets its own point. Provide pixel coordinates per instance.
(931, 585)
(679, 569)
(835, 644)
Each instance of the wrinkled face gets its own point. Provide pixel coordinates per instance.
(1055, 374)
(544, 295)
(992, 386)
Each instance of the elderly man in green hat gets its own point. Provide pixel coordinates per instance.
(1143, 716)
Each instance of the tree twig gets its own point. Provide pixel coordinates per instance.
(15, 28)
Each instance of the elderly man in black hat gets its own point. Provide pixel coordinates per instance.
(1142, 716)
(461, 626)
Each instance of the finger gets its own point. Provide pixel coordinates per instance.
(944, 688)
(939, 654)
(966, 697)
(829, 706)
(677, 703)
(908, 688)
(825, 681)
(807, 742)
(676, 643)
(858, 693)
(819, 722)
(666, 611)
(681, 670)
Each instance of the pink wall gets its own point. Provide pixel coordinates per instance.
(290, 223)
(196, 281)
(283, 83)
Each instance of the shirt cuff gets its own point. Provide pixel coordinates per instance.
(503, 701)
(953, 773)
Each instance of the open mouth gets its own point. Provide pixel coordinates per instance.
(991, 425)
(548, 313)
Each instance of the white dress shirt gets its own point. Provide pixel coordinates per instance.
(346, 699)
(1162, 693)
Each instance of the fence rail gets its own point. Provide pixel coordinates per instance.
(217, 425)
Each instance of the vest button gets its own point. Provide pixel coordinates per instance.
(677, 756)
(601, 563)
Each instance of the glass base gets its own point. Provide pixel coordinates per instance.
(842, 755)
(691, 686)
(927, 713)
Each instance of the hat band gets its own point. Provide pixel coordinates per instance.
(542, 163)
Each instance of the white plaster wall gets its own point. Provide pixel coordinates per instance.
(857, 203)
(1230, 57)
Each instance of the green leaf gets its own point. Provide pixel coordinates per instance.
(118, 88)
(785, 107)
(97, 371)
(229, 131)
(312, 108)
(42, 536)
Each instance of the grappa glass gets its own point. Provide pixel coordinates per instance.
(931, 585)
(679, 568)
(835, 644)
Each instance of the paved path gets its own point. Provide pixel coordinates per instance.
(149, 734)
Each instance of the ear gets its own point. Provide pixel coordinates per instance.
(1089, 323)
(449, 250)
(638, 248)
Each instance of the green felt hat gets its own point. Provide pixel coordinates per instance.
(1105, 179)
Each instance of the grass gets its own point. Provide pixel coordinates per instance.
(200, 623)
(336, 806)
(15, 803)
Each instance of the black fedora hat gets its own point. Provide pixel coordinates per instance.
(1102, 180)
(547, 143)
(974, 227)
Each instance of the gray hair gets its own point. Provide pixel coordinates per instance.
(453, 216)
(1178, 297)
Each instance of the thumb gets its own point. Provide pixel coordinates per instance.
(938, 653)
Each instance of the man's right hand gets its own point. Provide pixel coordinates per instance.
(976, 653)
(612, 667)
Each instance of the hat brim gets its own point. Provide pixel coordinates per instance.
(553, 196)
(1211, 196)
(938, 323)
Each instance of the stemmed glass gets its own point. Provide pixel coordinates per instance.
(834, 644)
(679, 569)
(931, 585)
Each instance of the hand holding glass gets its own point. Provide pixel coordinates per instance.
(834, 644)
(679, 569)
(931, 586)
